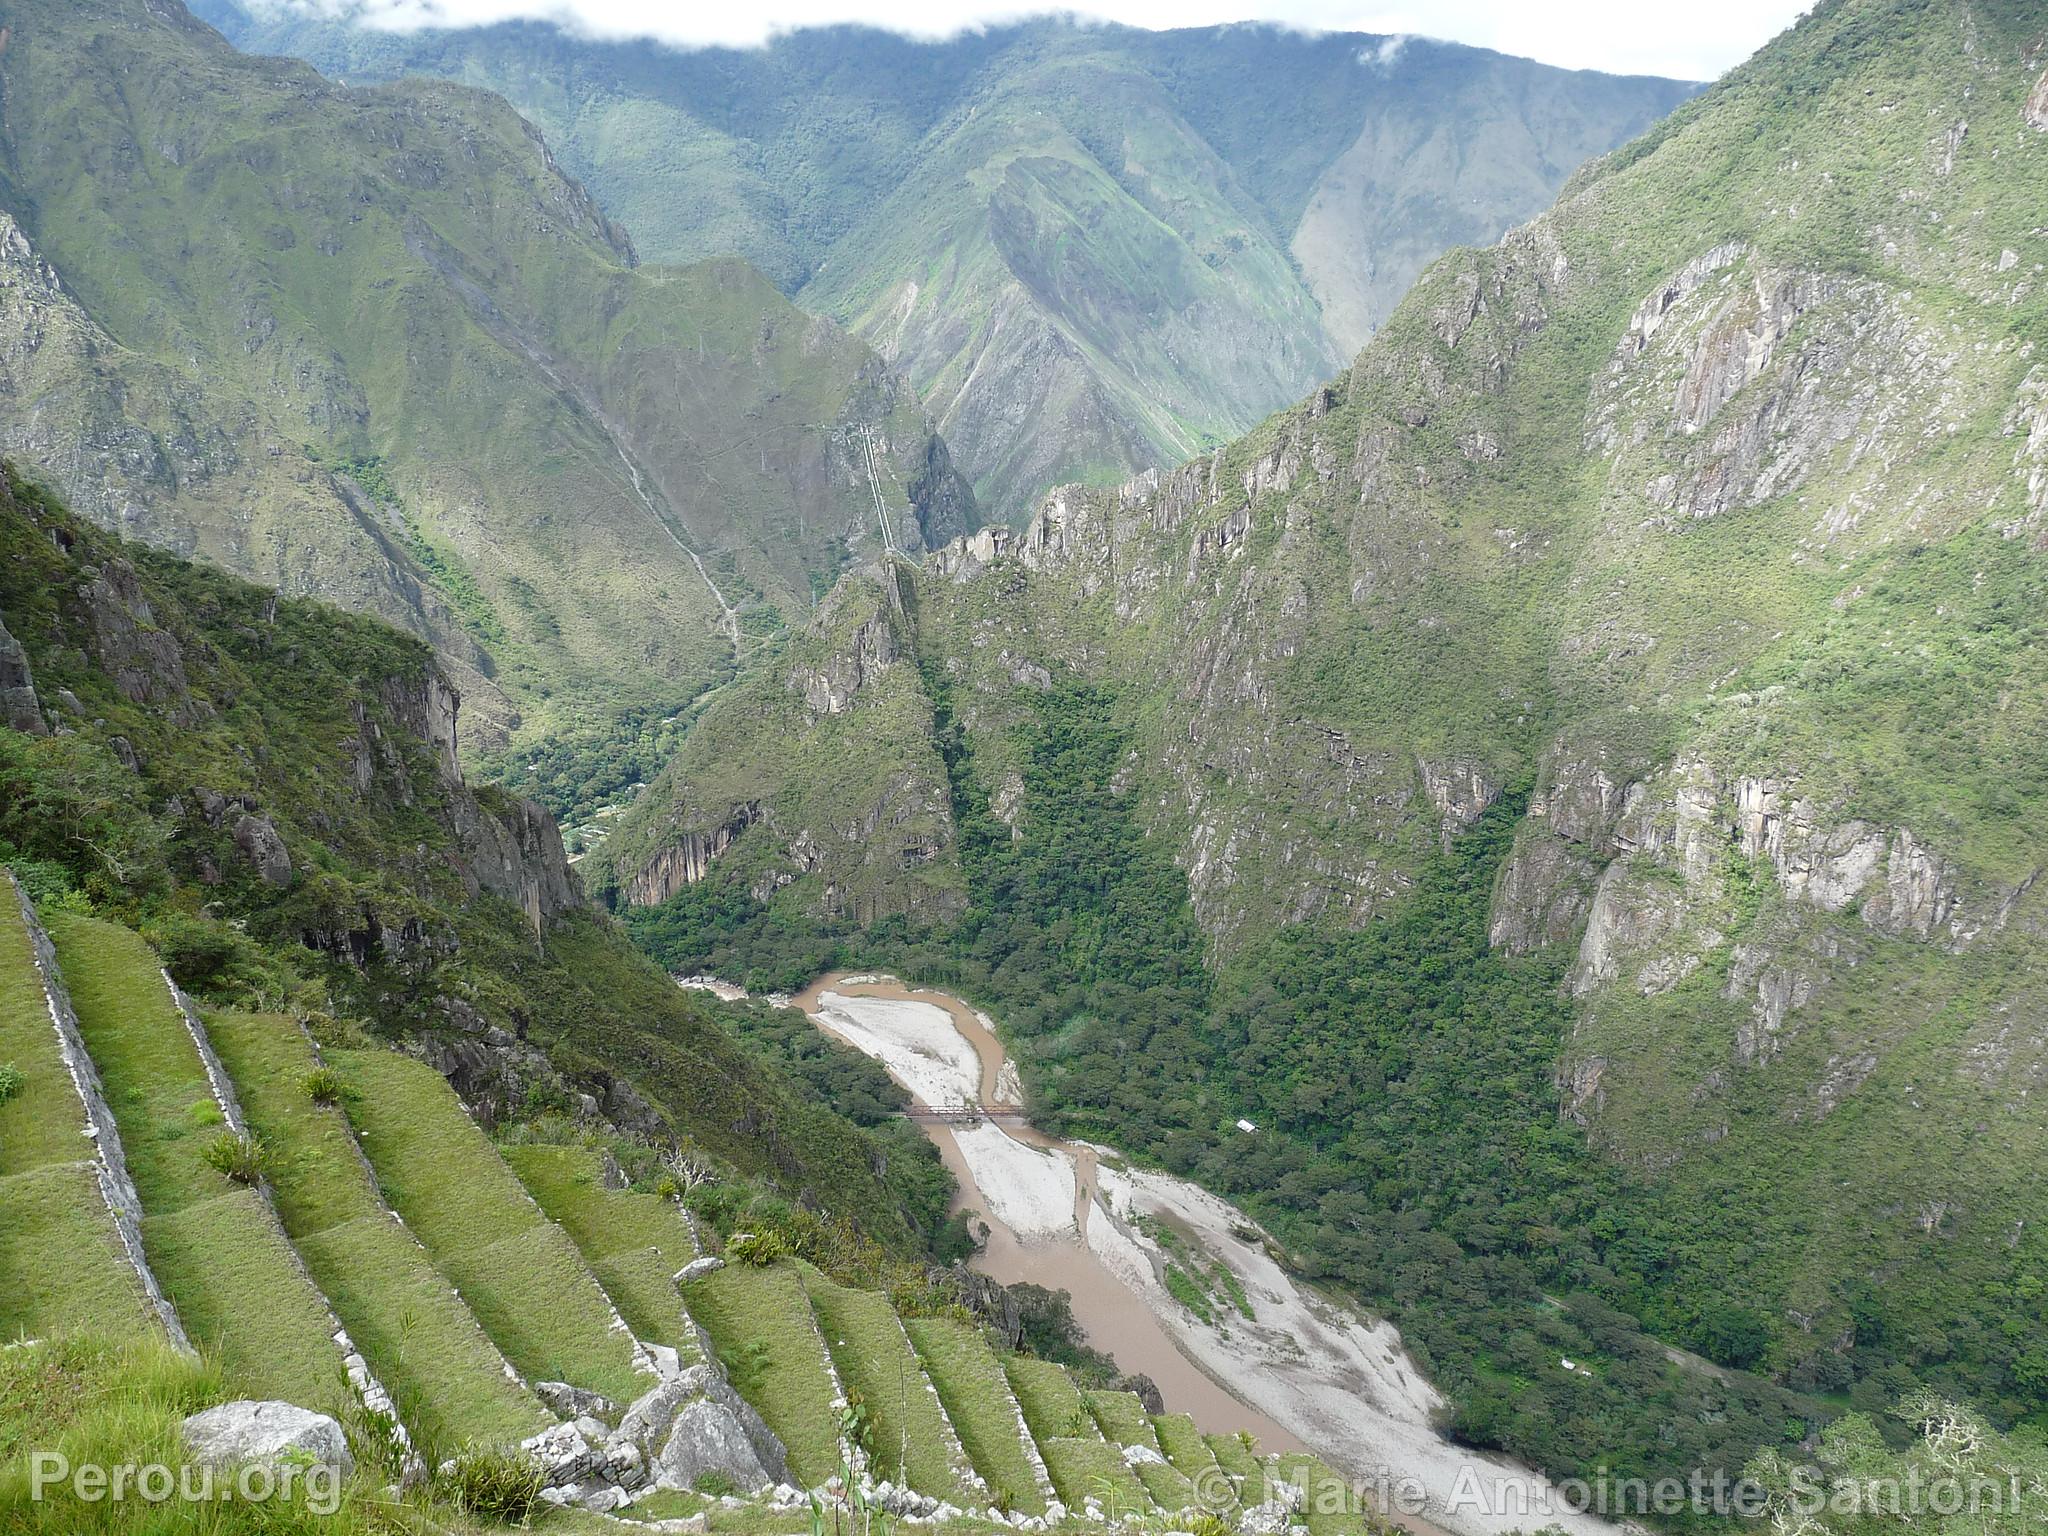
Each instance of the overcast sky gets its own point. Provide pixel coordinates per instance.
(1694, 42)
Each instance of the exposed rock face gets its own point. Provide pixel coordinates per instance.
(236, 1434)
(688, 858)
(258, 842)
(829, 687)
(695, 1423)
(1658, 906)
(512, 848)
(706, 1437)
(144, 661)
(2036, 109)
(20, 709)
(1460, 789)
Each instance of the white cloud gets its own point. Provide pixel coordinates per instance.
(1624, 36)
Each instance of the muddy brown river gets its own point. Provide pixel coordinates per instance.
(1116, 1319)
(1274, 1357)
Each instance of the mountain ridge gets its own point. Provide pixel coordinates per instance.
(375, 344)
(1149, 239)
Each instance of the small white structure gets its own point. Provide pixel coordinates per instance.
(1246, 1126)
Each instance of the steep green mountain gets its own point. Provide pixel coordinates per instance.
(1093, 249)
(380, 1120)
(374, 345)
(268, 789)
(1594, 743)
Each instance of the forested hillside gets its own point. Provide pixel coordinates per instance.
(1589, 745)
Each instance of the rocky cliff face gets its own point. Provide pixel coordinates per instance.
(821, 775)
(393, 752)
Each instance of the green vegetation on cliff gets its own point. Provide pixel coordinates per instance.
(265, 788)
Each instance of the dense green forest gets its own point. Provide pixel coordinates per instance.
(1414, 1150)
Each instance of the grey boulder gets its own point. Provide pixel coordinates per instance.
(705, 1437)
(237, 1434)
(575, 1402)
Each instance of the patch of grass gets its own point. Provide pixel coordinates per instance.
(1122, 1417)
(498, 1486)
(324, 1085)
(1051, 1402)
(423, 1343)
(92, 1401)
(42, 1121)
(1182, 1444)
(1187, 1292)
(237, 1157)
(62, 1267)
(977, 1398)
(519, 1273)
(1093, 1469)
(1327, 1502)
(11, 1080)
(633, 1242)
(1234, 1457)
(1168, 1488)
(218, 1256)
(759, 1249)
(759, 1321)
(906, 1426)
(426, 1345)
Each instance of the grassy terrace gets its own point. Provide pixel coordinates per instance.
(1093, 1469)
(62, 1268)
(759, 1320)
(518, 1271)
(634, 1243)
(1237, 1459)
(1122, 1418)
(1169, 1490)
(978, 1401)
(1182, 1444)
(423, 1343)
(1322, 1511)
(217, 1253)
(1051, 1402)
(868, 1346)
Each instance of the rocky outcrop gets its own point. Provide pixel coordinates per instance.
(1460, 788)
(940, 498)
(269, 1434)
(688, 857)
(828, 686)
(690, 1424)
(257, 840)
(146, 663)
(2035, 112)
(512, 848)
(20, 709)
